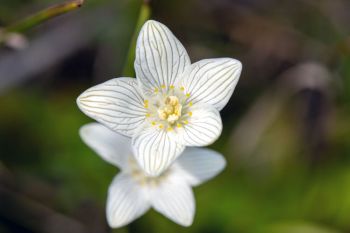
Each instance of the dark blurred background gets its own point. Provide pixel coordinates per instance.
(286, 128)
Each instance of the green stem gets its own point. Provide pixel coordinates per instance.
(44, 15)
(144, 15)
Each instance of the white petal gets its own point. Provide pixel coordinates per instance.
(126, 201)
(174, 199)
(112, 147)
(203, 128)
(212, 81)
(199, 165)
(155, 150)
(116, 103)
(160, 57)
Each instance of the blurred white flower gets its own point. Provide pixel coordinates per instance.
(171, 104)
(13, 40)
(133, 192)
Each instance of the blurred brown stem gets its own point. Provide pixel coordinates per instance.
(44, 15)
(23, 25)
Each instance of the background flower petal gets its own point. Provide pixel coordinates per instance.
(203, 128)
(116, 103)
(126, 201)
(199, 165)
(212, 81)
(160, 57)
(111, 146)
(155, 149)
(174, 199)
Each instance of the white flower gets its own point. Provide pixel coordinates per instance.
(171, 104)
(133, 192)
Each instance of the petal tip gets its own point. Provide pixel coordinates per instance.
(80, 101)
(239, 65)
(236, 63)
(221, 164)
(186, 224)
(113, 224)
(186, 220)
(231, 62)
(152, 22)
(83, 130)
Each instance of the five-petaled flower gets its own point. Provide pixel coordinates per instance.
(171, 104)
(133, 192)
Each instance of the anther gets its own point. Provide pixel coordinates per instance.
(145, 103)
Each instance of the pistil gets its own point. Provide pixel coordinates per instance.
(171, 110)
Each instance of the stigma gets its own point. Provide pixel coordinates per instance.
(171, 110)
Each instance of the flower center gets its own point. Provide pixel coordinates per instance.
(171, 110)
(141, 177)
